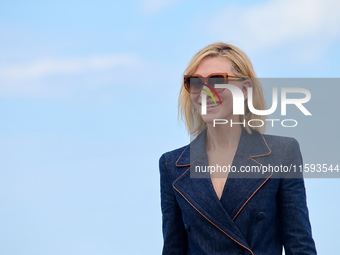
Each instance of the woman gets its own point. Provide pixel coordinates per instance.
(209, 211)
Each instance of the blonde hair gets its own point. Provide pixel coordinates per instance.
(242, 67)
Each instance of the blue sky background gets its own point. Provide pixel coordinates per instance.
(88, 103)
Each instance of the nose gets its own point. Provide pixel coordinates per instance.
(205, 88)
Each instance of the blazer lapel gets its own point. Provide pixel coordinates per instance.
(198, 191)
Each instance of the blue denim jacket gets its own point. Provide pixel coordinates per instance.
(256, 215)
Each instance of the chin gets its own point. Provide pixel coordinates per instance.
(209, 118)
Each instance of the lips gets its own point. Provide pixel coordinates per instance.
(210, 102)
(213, 104)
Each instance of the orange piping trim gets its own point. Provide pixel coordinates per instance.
(180, 157)
(205, 216)
(270, 151)
(253, 193)
(251, 157)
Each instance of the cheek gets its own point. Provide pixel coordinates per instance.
(194, 98)
(227, 100)
(226, 96)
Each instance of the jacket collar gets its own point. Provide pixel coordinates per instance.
(251, 145)
(200, 193)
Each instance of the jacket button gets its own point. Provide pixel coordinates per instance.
(186, 227)
(261, 216)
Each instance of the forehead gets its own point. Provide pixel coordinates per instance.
(214, 65)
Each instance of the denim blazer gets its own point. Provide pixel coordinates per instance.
(259, 215)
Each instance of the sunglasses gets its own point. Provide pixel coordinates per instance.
(194, 83)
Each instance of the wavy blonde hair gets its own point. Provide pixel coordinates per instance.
(242, 67)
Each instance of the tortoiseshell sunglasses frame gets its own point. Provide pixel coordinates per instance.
(226, 77)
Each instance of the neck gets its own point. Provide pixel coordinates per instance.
(222, 137)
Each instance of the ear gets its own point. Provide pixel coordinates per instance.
(247, 83)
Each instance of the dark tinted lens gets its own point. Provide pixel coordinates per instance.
(216, 79)
(195, 84)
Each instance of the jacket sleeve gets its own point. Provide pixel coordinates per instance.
(294, 217)
(174, 234)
